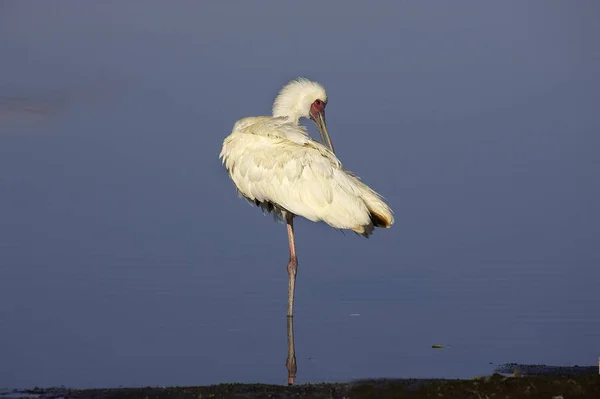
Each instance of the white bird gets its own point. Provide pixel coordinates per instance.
(277, 166)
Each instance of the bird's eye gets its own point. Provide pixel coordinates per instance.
(318, 102)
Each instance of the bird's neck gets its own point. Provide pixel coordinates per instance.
(285, 108)
(290, 118)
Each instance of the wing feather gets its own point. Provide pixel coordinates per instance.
(276, 162)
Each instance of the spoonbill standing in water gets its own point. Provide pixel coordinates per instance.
(277, 166)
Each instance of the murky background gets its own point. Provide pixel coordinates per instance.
(126, 257)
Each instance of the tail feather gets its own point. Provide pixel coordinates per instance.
(380, 213)
(379, 220)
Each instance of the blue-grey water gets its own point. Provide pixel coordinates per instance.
(126, 257)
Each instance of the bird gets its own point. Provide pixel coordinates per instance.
(276, 165)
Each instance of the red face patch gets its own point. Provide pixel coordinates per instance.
(316, 108)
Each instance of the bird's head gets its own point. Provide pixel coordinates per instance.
(303, 98)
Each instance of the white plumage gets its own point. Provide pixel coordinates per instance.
(275, 164)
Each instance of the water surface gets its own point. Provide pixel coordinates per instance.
(126, 257)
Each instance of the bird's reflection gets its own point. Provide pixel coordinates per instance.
(290, 363)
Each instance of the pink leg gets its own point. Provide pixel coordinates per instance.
(291, 358)
(292, 266)
(292, 269)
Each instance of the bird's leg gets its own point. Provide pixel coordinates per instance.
(292, 269)
(292, 266)
(291, 358)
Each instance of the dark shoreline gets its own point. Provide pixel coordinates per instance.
(530, 381)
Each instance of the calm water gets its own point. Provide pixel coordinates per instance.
(126, 257)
